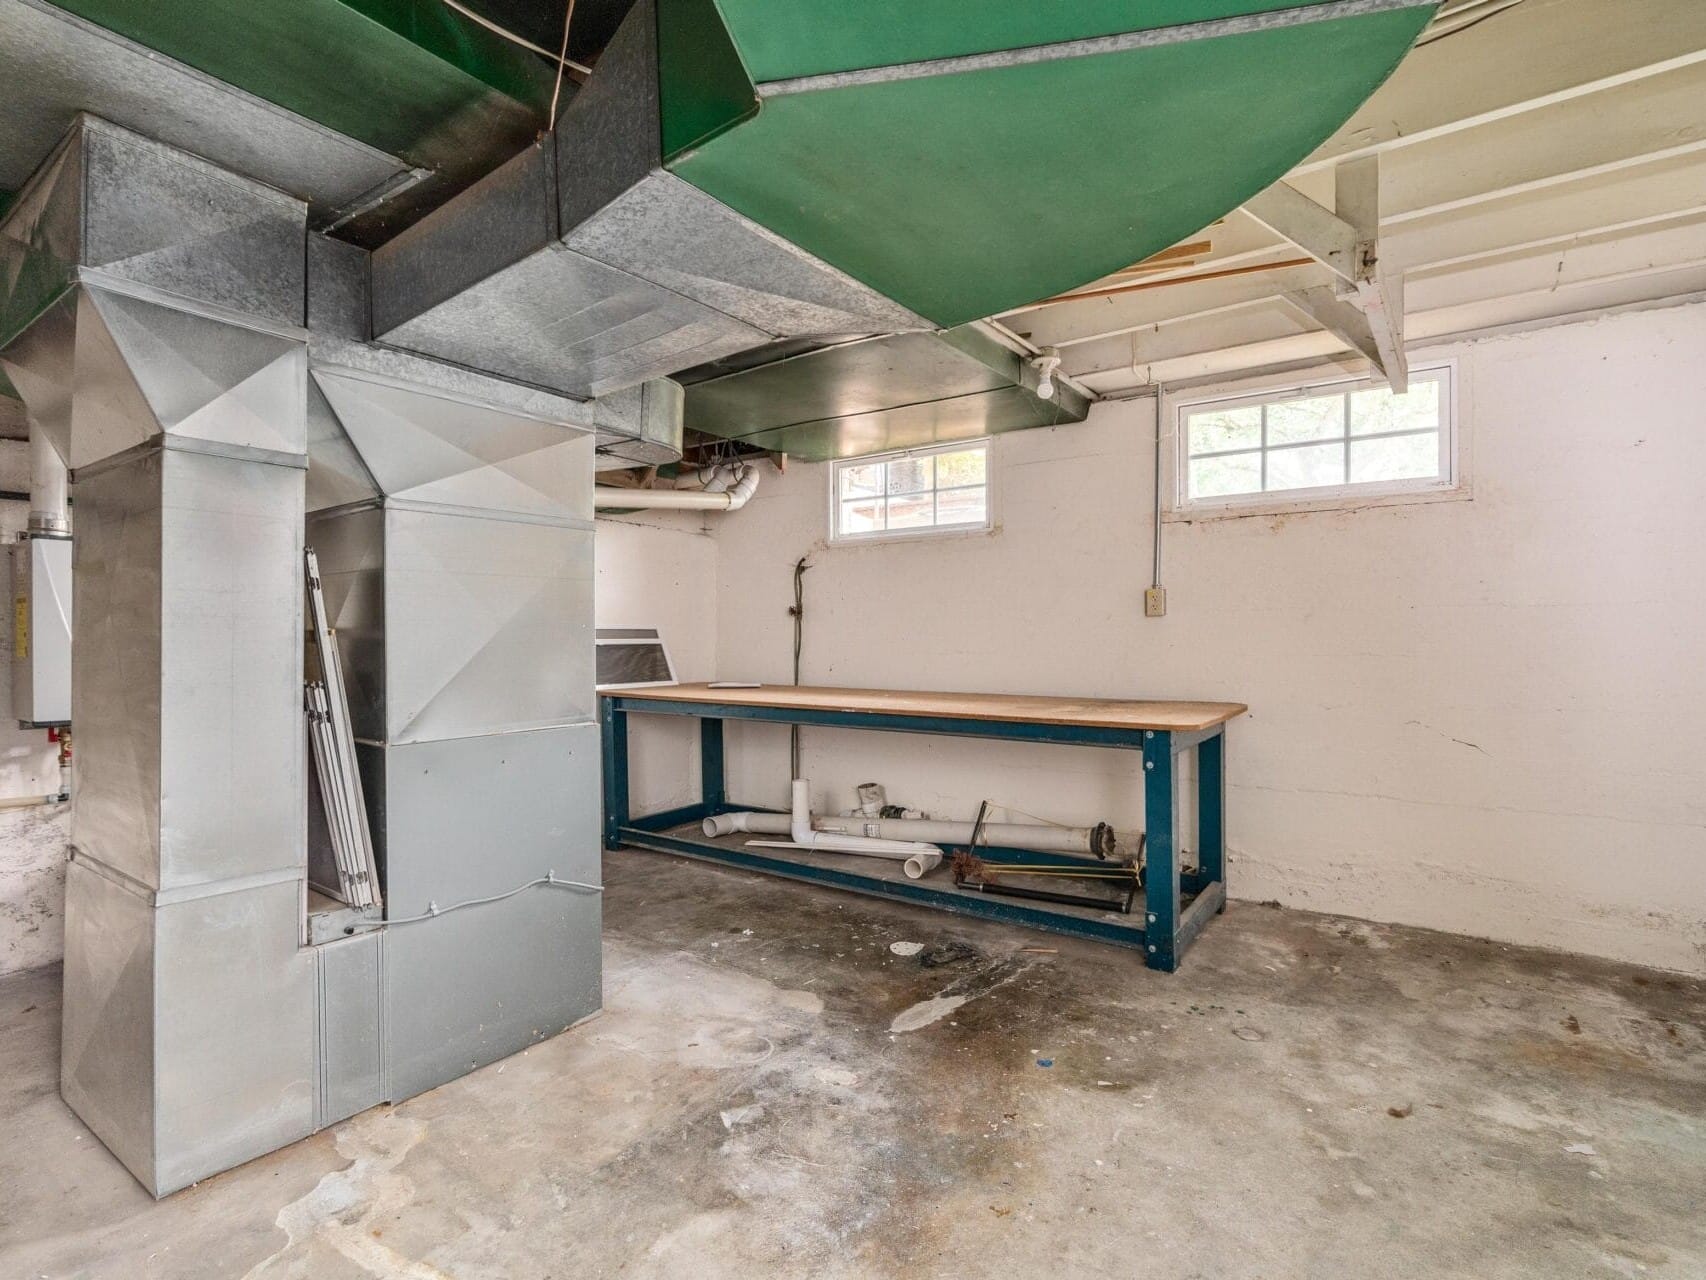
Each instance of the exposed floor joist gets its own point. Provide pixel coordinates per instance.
(1521, 149)
(1365, 308)
(1537, 55)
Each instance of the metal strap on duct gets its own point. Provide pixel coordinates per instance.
(334, 758)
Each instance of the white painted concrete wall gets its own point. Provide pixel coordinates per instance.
(33, 840)
(1486, 716)
(661, 571)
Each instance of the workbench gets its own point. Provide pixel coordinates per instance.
(1177, 902)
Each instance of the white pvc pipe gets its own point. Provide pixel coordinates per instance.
(608, 496)
(50, 508)
(715, 479)
(758, 824)
(1012, 835)
(920, 864)
(800, 829)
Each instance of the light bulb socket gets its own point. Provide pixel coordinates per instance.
(1045, 365)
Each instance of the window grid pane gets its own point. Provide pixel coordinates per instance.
(962, 506)
(912, 493)
(864, 515)
(1305, 420)
(912, 475)
(860, 481)
(1264, 446)
(1327, 441)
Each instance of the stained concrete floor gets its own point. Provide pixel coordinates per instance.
(1309, 1097)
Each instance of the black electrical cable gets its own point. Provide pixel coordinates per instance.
(798, 613)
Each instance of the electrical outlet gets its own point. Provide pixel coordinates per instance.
(1155, 602)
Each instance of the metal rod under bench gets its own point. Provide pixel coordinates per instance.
(1177, 903)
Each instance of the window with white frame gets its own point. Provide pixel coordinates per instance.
(1322, 441)
(942, 489)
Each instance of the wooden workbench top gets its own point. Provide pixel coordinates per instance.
(1096, 713)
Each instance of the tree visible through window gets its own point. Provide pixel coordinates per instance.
(918, 491)
(1316, 442)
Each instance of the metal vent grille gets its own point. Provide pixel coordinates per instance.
(632, 658)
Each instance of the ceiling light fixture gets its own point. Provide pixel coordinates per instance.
(1046, 364)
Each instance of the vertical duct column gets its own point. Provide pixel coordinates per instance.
(452, 516)
(151, 322)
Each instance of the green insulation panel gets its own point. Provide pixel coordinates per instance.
(815, 37)
(703, 87)
(964, 193)
(396, 74)
(876, 394)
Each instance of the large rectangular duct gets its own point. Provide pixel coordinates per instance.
(583, 265)
(152, 304)
(636, 426)
(151, 314)
(109, 206)
(899, 391)
(460, 590)
(56, 64)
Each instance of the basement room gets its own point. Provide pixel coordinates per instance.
(853, 639)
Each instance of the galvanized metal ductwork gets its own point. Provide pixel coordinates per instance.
(584, 266)
(285, 94)
(452, 515)
(150, 319)
(733, 176)
(737, 171)
(900, 391)
(151, 312)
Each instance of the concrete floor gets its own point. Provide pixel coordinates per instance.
(1308, 1097)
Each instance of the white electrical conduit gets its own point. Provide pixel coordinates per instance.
(1077, 840)
(608, 496)
(915, 856)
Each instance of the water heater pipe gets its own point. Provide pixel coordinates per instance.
(50, 508)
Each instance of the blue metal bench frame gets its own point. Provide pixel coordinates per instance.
(1168, 924)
